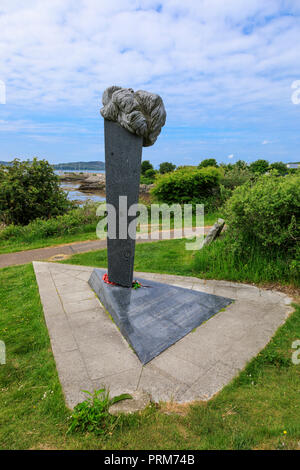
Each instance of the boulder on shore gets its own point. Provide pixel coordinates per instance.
(93, 182)
(97, 183)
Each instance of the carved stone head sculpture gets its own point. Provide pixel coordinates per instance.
(140, 112)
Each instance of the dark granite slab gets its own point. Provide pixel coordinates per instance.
(153, 318)
(123, 155)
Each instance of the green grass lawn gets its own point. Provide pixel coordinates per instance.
(12, 246)
(259, 409)
(81, 233)
(212, 262)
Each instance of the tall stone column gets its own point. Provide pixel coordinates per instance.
(123, 155)
(156, 315)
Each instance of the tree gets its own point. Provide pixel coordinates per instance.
(30, 190)
(280, 167)
(150, 173)
(259, 166)
(226, 166)
(146, 165)
(166, 167)
(241, 165)
(208, 162)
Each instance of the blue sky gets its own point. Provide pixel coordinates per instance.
(223, 68)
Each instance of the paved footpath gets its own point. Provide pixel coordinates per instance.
(90, 352)
(23, 257)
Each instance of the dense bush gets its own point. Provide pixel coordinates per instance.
(146, 165)
(241, 165)
(236, 177)
(280, 167)
(150, 173)
(259, 166)
(79, 220)
(266, 212)
(28, 191)
(208, 162)
(166, 167)
(189, 185)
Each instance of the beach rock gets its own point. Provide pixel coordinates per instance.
(93, 182)
(97, 183)
(145, 188)
(73, 177)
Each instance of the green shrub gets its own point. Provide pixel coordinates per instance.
(189, 185)
(82, 219)
(166, 167)
(241, 165)
(30, 190)
(280, 167)
(146, 165)
(150, 173)
(267, 211)
(208, 162)
(236, 177)
(146, 180)
(259, 166)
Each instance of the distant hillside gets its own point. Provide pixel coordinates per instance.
(78, 166)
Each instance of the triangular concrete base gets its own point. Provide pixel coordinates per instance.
(157, 315)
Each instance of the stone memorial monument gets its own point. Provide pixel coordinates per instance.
(154, 316)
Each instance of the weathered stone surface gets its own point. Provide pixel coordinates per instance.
(146, 188)
(95, 182)
(155, 316)
(98, 183)
(138, 402)
(214, 232)
(123, 155)
(140, 112)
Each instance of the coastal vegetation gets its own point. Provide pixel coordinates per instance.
(78, 224)
(33, 411)
(34, 211)
(259, 246)
(189, 186)
(28, 191)
(75, 225)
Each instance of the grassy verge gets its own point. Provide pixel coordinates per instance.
(18, 245)
(78, 225)
(259, 409)
(212, 262)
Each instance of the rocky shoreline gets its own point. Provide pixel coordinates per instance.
(95, 182)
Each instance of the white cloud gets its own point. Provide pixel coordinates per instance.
(265, 142)
(223, 68)
(196, 54)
